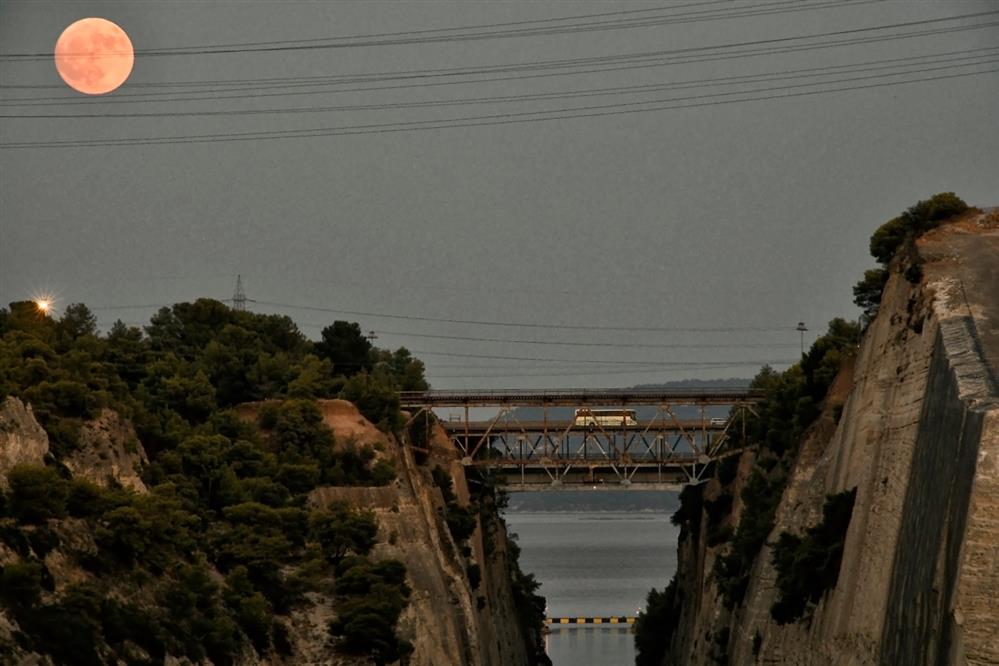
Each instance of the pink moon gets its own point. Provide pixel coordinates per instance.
(94, 56)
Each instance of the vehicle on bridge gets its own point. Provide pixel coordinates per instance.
(605, 417)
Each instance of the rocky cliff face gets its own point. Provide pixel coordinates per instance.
(449, 622)
(22, 440)
(108, 449)
(918, 438)
(108, 452)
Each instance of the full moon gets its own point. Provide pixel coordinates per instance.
(94, 56)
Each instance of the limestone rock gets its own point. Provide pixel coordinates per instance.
(22, 440)
(919, 440)
(109, 450)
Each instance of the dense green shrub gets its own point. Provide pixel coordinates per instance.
(474, 573)
(371, 597)
(461, 521)
(346, 347)
(85, 499)
(716, 511)
(888, 238)
(21, 583)
(226, 494)
(151, 530)
(807, 566)
(37, 493)
(443, 481)
(378, 401)
(761, 496)
(790, 404)
(489, 497)
(251, 609)
(400, 369)
(825, 358)
(304, 446)
(122, 621)
(897, 236)
(43, 540)
(655, 625)
(727, 469)
(340, 530)
(688, 515)
(67, 630)
(916, 220)
(867, 292)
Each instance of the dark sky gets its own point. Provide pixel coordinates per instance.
(742, 217)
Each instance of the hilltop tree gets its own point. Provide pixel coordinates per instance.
(898, 234)
(916, 220)
(344, 344)
(76, 322)
(401, 369)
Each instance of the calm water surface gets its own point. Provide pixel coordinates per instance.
(595, 553)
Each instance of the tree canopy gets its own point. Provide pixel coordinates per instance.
(897, 235)
(223, 542)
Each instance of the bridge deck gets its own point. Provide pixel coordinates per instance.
(557, 452)
(482, 427)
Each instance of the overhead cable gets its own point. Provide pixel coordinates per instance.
(481, 322)
(919, 63)
(413, 37)
(596, 64)
(589, 361)
(592, 111)
(628, 345)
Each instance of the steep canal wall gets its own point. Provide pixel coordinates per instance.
(913, 428)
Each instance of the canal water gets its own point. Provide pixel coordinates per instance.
(596, 553)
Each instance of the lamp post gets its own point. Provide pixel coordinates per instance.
(801, 329)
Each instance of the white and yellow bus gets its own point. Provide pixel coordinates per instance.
(613, 418)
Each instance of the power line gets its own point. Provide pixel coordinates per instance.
(628, 345)
(587, 373)
(399, 39)
(371, 76)
(482, 322)
(641, 63)
(593, 111)
(128, 307)
(810, 72)
(565, 30)
(481, 25)
(47, 54)
(603, 64)
(572, 364)
(661, 364)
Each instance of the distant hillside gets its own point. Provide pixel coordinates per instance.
(584, 501)
(683, 412)
(730, 382)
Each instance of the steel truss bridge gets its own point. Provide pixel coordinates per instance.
(550, 451)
